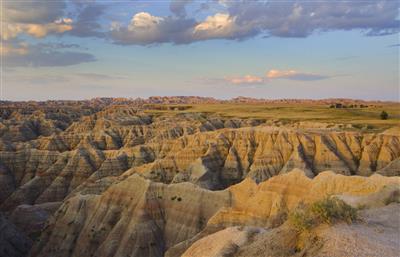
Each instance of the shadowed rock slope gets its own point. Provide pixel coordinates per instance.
(13, 242)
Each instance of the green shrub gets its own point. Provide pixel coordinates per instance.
(333, 209)
(301, 218)
(329, 210)
(358, 126)
(370, 126)
(384, 115)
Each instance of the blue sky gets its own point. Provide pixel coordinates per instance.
(81, 49)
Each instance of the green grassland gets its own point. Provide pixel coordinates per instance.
(288, 113)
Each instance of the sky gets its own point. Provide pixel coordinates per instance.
(80, 49)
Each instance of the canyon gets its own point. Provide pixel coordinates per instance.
(172, 177)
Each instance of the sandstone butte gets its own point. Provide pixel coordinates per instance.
(106, 178)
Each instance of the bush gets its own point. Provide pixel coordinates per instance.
(370, 126)
(384, 115)
(329, 210)
(333, 209)
(301, 218)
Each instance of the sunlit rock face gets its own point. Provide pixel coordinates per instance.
(137, 217)
(213, 160)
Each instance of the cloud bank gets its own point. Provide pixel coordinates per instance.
(275, 74)
(231, 20)
(240, 20)
(35, 18)
(186, 22)
(42, 55)
(293, 75)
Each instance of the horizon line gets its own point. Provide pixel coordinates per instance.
(206, 97)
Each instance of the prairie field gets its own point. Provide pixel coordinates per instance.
(367, 117)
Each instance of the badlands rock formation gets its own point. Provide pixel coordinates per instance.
(106, 177)
(53, 167)
(137, 217)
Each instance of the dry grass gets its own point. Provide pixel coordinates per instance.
(359, 117)
(329, 211)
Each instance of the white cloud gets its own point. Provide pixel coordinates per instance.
(63, 21)
(221, 24)
(145, 28)
(248, 79)
(144, 21)
(293, 75)
(274, 74)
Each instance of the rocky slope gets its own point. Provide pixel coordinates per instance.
(376, 236)
(137, 217)
(214, 160)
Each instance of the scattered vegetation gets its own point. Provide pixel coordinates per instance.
(329, 211)
(167, 107)
(339, 106)
(176, 198)
(363, 126)
(301, 218)
(333, 209)
(230, 249)
(367, 116)
(384, 115)
(202, 222)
